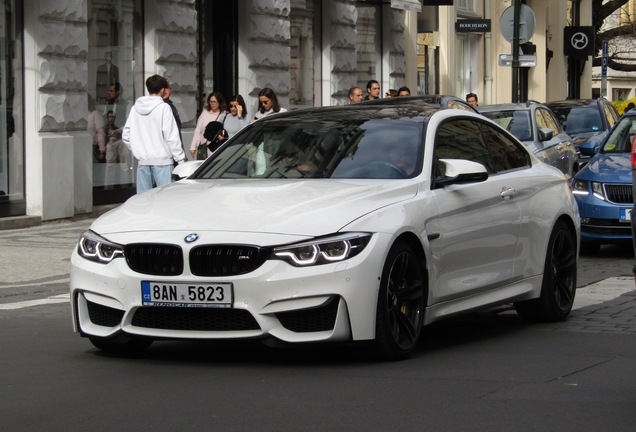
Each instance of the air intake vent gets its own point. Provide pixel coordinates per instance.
(226, 260)
(103, 315)
(322, 318)
(199, 319)
(154, 258)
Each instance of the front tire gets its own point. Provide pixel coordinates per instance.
(401, 302)
(559, 280)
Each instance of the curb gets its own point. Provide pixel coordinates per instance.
(20, 222)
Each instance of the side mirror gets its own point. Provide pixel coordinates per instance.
(459, 171)
(185, 169)
(588, 148)
(545, 134)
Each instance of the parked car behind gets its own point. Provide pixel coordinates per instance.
(538, 129)
(587, 121)
(603, 189)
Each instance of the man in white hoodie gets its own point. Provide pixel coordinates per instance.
(152, 135)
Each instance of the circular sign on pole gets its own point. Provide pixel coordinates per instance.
(527, 21)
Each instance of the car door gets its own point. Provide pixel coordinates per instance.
(559, 149)
(478, 222)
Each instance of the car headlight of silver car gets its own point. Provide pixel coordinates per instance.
(96, 248)
(324, 250)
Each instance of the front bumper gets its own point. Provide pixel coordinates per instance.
(601, 221)
(331, 302)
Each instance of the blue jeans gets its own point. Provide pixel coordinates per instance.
(149, 176)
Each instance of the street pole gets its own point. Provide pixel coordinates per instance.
(515, 53)
(604, 69)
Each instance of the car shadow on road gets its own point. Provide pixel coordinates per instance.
(450, 333)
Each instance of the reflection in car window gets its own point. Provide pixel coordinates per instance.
(462, 139)
(382, 148)
(577, 120)
(547, 121)
(610, 113)
(620, 141)
(517, 122)
(506, 154)
(457, 105)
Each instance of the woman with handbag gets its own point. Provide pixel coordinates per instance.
(214, 111)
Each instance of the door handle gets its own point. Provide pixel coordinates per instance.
(506, 193)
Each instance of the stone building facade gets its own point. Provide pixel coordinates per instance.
(62, 56)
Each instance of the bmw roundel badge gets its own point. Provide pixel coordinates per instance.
(191, 238)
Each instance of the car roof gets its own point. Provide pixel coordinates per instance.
(571, 103)
(431, 100)
(362, 111)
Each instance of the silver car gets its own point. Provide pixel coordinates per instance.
(539, 130)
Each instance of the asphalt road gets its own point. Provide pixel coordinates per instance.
(486, 372)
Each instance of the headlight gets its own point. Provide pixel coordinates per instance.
(597, 190)
(324, 250)
(580, 187)
(95, 248)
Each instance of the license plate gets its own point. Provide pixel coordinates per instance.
(626, 215)
(202, 295)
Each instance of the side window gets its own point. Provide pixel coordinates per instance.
(459, 105)
(506, 154)
(549, 121)
(540, 120)
(552, 120)
(462, 139)
(610, 113)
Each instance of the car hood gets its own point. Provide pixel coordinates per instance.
(608, 168)
(301, 207)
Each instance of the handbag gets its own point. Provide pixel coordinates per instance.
(213, 131)
(202, 152)
(210, 133)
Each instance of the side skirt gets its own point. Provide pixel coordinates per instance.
(522, 290)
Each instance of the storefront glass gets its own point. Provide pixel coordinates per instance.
(115, 80)
(12, 199)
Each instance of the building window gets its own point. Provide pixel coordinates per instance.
(115, 80)
(305, 24)
(369, 43)
(12, 199)
(621, 94)
(466, 6)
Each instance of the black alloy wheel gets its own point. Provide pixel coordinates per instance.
(559, 280)
(401, 304)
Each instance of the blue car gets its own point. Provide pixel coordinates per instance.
(603, 189)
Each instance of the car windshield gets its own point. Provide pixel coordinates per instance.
(580, 119)
(620, 141)
(303, 147)
(517, 122)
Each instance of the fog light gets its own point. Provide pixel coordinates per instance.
(585, 220)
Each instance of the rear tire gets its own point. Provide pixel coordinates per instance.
(559, 280)
(401, 302)
(130, 346)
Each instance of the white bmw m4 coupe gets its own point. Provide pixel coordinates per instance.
(338, 224)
